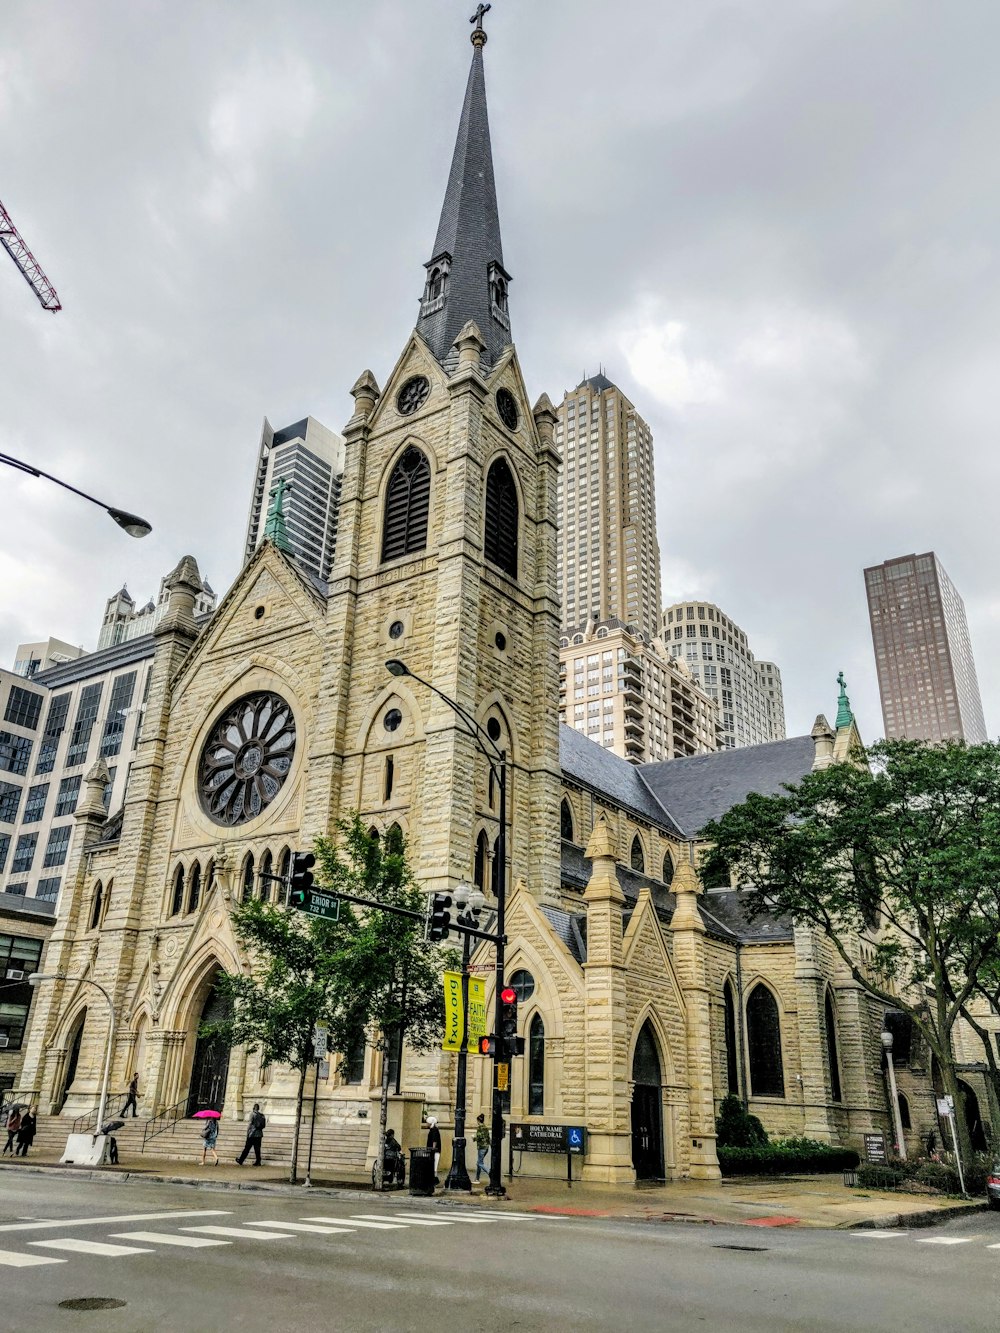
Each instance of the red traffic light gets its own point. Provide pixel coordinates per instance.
(508, 995)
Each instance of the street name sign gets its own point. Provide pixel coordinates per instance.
(321, 904)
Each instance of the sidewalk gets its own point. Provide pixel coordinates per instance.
(808, 1201)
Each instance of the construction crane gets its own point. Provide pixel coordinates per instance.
(31, 270)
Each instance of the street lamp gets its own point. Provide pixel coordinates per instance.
(131, 523)
(469, 902)
(897, 1119)
(36, 977)
(498, 763)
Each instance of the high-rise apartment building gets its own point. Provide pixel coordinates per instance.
(609, 558)
(310, 458)
(30, 658)
(923, 654)
(627, 695)
(716, 651)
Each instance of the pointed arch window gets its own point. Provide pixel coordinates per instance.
(767, 1074)
(500, 537)
(668, 869)
(177, 902)
(732, 1049)
(248, 878)
(904, 1111)
(284, 870)
(565, 821)
(194, 887)
(407, 505)
(832, 1053)
(637, 859)
(98, 906)
(536, 1066)
(482, 862)
(264, 887)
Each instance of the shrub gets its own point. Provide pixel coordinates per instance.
(785, 1157)
(881, 1176)
(736, 1127)
(928, 1173)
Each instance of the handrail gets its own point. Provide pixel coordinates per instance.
(173, 1112)
(80, 1124)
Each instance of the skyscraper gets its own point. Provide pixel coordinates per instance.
(923, 655)
(718, 655)
(609, 558)
(310, 458)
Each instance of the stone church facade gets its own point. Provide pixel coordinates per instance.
(643, 999)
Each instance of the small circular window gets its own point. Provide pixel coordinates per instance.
(258, 613)
(396, 629)
(501, 642)
(493, 729)
(413, 395)
(392, 720)
(507, 408)
(522, 983)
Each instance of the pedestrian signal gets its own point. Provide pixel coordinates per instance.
(302, 878)
(439, 927)
(488, 1045)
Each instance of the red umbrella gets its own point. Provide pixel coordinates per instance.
(207, 1115)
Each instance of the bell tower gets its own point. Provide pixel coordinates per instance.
(446, 560)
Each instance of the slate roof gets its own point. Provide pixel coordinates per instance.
(469, 231)
(96, 663)
(590, 765)
(705, 786)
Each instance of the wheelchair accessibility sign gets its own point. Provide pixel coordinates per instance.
(576, 1139)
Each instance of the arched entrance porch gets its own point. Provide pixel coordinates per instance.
(647, 1107)
(210, 1064)
(72, 1058)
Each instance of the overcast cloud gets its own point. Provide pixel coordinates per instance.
(774, 225)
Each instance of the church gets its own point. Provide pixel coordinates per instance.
(644, 998)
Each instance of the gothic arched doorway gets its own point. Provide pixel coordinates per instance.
(974, 1121)
(73, 1058)
(211, 1057)
(647, 1108)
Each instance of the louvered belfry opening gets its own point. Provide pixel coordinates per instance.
(407, 503)
(500, 541)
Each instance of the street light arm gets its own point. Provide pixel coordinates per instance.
(36, 977)
(477, 732)
(131, 523)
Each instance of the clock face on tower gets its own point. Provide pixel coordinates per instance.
(507, 408)
(412, 395)
(246, 759)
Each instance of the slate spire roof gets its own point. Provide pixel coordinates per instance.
(466, 279)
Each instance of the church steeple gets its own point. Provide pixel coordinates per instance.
(466, 279)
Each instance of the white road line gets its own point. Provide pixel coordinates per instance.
(448, 1217)
(946, 1240)
(59, 1223)
(304, 1226)
(422, 1221)
(243, 1233)
(167, 1238)
(11, 1259)
(498, 1212)
(878, 1235)
(993, 1247)
(77, 1246)
(356, 1222)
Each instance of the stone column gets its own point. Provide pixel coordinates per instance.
(814, 1056)
(608, 1114)
(689, 964)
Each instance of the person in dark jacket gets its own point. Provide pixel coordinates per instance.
(131, 1097)
(26, 1133)
(12, 1126)
(255, 1132)
(434, 1142)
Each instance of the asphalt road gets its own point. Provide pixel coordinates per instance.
(189, 1260)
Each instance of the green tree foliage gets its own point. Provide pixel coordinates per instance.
(896, 859)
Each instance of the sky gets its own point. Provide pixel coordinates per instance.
(775, 227)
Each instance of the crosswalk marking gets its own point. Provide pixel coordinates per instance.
(242, 1233)
(305, 1226)
(498, 1212)
(11, 1259)
(412, 1221)
(357, 1222)
(77, 1246)
(167, 1238)
(878, 1235)
(62, 1222)
(945, 1240)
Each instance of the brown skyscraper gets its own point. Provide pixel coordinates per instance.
(926, 672)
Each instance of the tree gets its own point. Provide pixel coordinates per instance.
(900, 849)
(390, 977)
(294, 981)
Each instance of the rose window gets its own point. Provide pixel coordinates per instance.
(246, 758)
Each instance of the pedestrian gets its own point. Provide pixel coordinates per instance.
(256, 1124)
(12, 1126)
(482, 1144)
(26, 1132)
(434, 1142)
(131, 1097)
(113, 1150)
(209, 1136)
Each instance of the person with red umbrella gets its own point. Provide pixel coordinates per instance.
(209, 1134)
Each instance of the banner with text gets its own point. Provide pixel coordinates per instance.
(453, 1012)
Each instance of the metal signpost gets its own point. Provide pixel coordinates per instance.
(946, 1110)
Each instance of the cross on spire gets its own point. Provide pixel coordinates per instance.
(479, 15)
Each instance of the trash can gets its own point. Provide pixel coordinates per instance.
(421, 1171)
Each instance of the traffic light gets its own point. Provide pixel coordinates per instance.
(488, 1046)
(440, 922)
(302, 878)
(512, 1044)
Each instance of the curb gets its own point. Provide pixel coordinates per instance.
(926, 1217)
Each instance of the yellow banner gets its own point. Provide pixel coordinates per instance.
(453, 1012)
